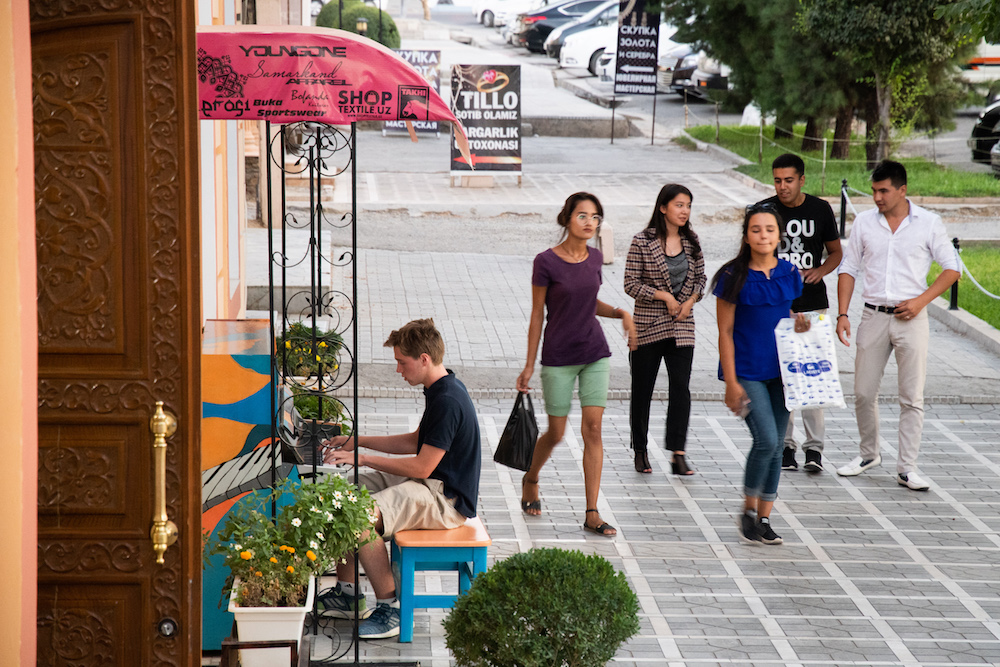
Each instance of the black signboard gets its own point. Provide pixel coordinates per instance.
(487, 99)
(638, 40)
(428, 63)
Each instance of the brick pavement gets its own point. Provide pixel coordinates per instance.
(870, 573)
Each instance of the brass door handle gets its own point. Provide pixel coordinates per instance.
(164, 531)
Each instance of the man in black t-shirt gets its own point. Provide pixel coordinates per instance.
(810, 228)
(435, 487)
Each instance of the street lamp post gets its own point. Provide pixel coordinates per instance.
(362, 26)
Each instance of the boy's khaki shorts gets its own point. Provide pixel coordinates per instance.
(410, 504)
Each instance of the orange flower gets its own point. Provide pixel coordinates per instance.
(310, 555)
(273, 559)
(290, 569)
(260, 574)
(246, 555)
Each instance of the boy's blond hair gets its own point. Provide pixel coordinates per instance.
(416, 338)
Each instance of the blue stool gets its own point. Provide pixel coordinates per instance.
(461, 550)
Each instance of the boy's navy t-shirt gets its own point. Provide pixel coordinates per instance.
(449, 422)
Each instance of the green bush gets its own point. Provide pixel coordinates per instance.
(547, 607)
(329, 17)
(983, 262)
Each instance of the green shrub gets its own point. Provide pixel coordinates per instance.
(547, 607)
(305, 351)
(330, 15)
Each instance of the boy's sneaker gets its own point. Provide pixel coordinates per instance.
(765, 533)
(912, 480)
(383, 623)
(333, 602)
(788, 459)
(748, 529)
(858, 466)
(814, 461)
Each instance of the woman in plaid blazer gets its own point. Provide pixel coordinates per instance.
(665, 274)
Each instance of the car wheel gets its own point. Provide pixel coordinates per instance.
(593, 61)
(984, 140)
(488, 18)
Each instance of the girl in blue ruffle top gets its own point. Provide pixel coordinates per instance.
(755, 290)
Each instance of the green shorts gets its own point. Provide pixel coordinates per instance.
(558, 381)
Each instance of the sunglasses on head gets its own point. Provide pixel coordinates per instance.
(762, 207)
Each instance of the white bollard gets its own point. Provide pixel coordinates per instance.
(606, 242)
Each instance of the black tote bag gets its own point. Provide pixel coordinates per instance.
(517, 444)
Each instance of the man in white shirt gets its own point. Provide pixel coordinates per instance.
(893, 245)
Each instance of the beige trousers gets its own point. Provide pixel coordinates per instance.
(812, 421)
(814, 425)
(878, 336)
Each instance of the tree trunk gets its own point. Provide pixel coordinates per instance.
(871, 129)
(883, 94)
(842, 133)
(783, 123)
(813, 139)
(427, 9)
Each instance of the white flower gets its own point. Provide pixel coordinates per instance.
(296, 522)
(314, 545)
(338, 495)
(337, 505)
(314, 509)
(350, 496)
(329, 517)
(320, 536)
(343, 561)
(238, 547)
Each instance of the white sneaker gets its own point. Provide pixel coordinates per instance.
(858, 466)
(912, 480)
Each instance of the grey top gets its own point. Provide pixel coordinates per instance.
(678, 267)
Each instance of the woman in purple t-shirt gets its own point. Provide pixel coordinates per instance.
(565, 280)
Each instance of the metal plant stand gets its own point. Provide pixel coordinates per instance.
(315, 323)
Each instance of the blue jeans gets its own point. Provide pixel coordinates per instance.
(767, 421)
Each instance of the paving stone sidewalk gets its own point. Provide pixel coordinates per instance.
(481, 303)
(870, 573)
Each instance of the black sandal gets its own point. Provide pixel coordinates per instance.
(605, 529)
(679, 465)
(529, 504)
(642, 462)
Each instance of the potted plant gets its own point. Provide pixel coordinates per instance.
(319, 417)
(543, 607)
(306, 351)
(273, 563)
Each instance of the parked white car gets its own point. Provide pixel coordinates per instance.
(495, 13)
(585, 48)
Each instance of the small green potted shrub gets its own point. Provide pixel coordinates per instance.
(307, 352)
(320, 417)
(543, 608)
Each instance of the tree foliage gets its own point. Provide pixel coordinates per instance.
(785, 72)
(891, 43)
(330, 17)
(978, 19)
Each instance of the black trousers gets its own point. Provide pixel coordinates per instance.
(645, 364)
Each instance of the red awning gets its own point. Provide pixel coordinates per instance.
(288, 74)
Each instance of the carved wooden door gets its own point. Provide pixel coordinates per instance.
(118, 326)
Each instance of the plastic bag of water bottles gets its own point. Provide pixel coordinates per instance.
(808, 363)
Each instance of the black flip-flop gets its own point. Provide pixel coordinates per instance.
(603, 529)
(529, 504)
